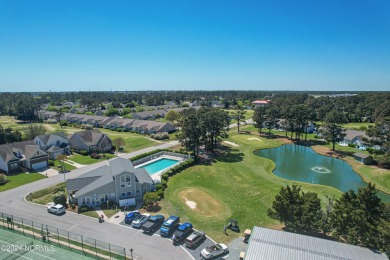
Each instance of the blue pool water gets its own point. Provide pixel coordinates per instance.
(159, 165)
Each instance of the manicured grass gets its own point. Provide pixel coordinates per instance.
(242, 183)
(109, 212)
(379, 176)
(20, 179)
(68, 166)
(87, 159)
(44, 196)
(90, 213)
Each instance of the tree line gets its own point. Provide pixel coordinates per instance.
(360, 218)
(205, 126)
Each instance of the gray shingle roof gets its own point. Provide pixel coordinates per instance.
(361, 155)
(350, 134)
(143, 176)
(103, 175)
(54, 148)
(28, 149)
(90, 137)
(46, 137)
(273, 244)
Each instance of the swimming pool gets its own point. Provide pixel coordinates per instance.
(159, 165)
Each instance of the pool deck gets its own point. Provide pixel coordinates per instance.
(157, 175)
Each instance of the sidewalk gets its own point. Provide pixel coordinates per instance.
(75, 164)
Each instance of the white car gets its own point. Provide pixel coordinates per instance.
(140, 220)
(214, 251)
(56, 209)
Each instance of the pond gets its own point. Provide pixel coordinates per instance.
(301, 163)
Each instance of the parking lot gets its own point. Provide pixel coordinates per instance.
(195, 252)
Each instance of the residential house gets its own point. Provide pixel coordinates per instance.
(355, 137)
(91, 141)
(363, 158)
(26, 154)
(116, 181)
(54, 144)
(149, 114)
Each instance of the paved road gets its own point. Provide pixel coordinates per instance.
(145, 247)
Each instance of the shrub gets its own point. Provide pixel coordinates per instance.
(83, 209)
(51, 163)
(160, 136)
(151, 198)
(63, 123)
(3, 178)
(58, 189)
(84, 152)
(352, 145)
(95, 155)
(59, 198)
(87, 127)
(160, 193)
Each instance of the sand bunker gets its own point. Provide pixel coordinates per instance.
(231, 143)
(191, 204)
(255, 138)
(200, 202)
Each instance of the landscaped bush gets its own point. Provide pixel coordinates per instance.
(83, 209)
(160, 136)
(352, 145)
(3, 178)
(95, 155)
(87, 127)
(59, 198)
(151, 198)
(51, 163)
(83, 152)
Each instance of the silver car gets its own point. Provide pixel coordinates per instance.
(214, 251)
(140, 220)
(56, 209)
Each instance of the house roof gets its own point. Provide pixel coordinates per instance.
(143, 176)
(267, 244)
(28, 149)
(45, 138)
(351, 134)
(258, 102)
(104, 175)
(54, 148)
(361, 155)
(90, 137)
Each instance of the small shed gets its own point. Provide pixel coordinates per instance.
(363, 158)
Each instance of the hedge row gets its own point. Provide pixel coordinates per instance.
(175, 170)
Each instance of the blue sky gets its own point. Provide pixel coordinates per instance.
(187, 45)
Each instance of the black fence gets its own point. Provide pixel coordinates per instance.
(62, 238)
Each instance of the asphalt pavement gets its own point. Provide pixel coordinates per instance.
(144, 247)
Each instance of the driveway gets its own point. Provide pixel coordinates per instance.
(145, 247)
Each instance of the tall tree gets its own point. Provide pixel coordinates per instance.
(297, 210)
(214, 126)
(332, 128)
(356, 218)
(272, 115)
(172, 116)
(118, 142)
(259, 117)
(34, 130)
(239, 115)
(191, 131)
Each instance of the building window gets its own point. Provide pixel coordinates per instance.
(83, 201)
(144, 191)
(123, 194)
(137, 191)
(122, 185)
(13, 166)
(129, 193)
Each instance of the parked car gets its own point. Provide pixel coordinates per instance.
(169, 225)
(131, 216)
(153, 223)
(195, 238)
(56, 209)
(140, 220)
(214, 251)
(182, 232)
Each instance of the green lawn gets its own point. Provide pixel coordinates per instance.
(20, 179)
(44, 196)
(68, 166)
(86, 159)
(242, 183)
(91, 213)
